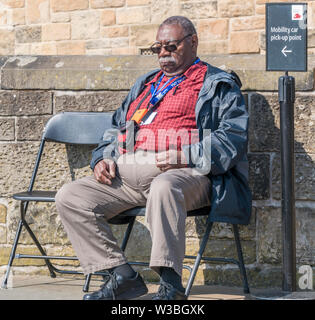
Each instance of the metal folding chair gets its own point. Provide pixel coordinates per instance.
(88, 128)
(78, 128)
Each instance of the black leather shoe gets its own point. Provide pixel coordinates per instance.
(168, 292)
(116, 287)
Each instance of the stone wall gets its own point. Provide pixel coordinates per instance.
(119, 27)
(33, 88)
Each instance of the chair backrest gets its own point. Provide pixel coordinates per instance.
(77, 127)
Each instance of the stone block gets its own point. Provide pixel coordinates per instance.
(43, 48)
(311, 38)
(143, 35)
(63, 251)
(7, 39)
(16, 17)
(235, 8)
(311, 15)
(223, 249)
(265, 277)
(15, 3)
(131, 3)
(115, 32)
(213, 29)
(60, 17)
(263, 131)
(162, 9)
(213, 47)
(3, 234)
(56, 31)
(133, 15)
(37, 11)
(259, 176)
(96, 101)
(7, 129)
(3, 213)
(125, 51)
(200, 9)
(22, 49)
(30, 128)
(108, 17)
(304, 176)
(85, 25)
(119, 42)
(71, 48)
(96, 4)
(98, 44)
(20, 103)
(3, 17)
(244, 42)
(24, 34)
(262, 40)
(69, 5)
(5, 253)
(264, 128)
(196, 226)
(248, 23)
(260, 10)
(269, 235)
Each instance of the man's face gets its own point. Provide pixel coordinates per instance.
(176, 62)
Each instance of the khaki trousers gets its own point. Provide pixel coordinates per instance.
(85, 205)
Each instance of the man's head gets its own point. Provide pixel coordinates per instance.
(178, 31)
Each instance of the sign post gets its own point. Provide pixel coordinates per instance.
(286, 50)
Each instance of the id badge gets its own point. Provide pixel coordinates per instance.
(139, 114)
(150, 118)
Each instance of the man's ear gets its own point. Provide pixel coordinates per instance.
(194, 42)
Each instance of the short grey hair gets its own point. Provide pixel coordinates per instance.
(184, 22)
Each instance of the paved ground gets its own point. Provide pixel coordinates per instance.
(46, 288)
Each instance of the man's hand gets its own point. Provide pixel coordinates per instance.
(104, 171)
(170, 159)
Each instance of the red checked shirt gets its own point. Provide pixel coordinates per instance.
(175, 122)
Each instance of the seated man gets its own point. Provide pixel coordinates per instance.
(185, 95)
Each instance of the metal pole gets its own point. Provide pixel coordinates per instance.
(286, 100)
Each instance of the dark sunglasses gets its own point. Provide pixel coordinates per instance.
(157, 48)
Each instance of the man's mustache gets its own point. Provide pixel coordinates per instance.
(166, 59)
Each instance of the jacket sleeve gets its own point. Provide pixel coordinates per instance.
(108, 146)
(226, 144)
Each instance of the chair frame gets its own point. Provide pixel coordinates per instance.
(127, 217)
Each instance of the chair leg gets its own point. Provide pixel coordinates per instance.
(87, 282)
(40, 248)
(198, 258)
(12, 255)
(240, 258)
(127, 234)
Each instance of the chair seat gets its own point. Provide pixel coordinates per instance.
(36, 195)
(127, 215)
